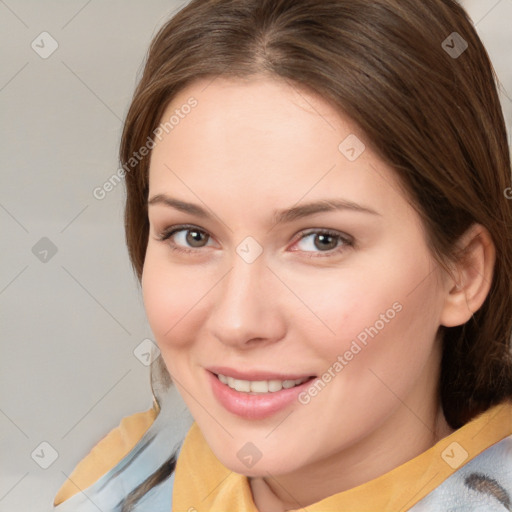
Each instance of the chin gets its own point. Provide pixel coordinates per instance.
(258, 467)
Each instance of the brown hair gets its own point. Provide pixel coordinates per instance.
(433, 115)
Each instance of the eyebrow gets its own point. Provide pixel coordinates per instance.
(279, 216)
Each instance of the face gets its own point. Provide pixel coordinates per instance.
(283, 250)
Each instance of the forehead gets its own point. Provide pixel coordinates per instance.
(241, 113)
(262, 138)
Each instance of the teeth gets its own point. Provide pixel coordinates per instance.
(274, 385)
(242, 385)
(259, 386)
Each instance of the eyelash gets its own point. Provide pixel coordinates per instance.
(347, 241)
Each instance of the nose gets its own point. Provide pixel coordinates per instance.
(246, 310)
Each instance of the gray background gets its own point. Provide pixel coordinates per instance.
(70, 324)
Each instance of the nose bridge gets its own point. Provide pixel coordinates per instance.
(243, 309)
(241, 291)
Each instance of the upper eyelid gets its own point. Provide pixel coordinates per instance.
(171, 230)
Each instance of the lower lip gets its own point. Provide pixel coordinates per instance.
(254, 406)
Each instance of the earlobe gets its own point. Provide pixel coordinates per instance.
(474, 271)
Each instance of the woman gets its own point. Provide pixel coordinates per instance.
(316, 211)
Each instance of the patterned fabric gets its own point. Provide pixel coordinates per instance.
(483, 484)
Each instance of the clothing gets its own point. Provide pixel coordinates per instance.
(144, 447)
(470, 470)
(107, 453)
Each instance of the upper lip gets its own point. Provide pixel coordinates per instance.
(256, 374)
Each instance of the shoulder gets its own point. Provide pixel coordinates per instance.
(108, 452)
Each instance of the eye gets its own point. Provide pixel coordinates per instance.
(182, 236)
(189, 239)
(325, 240)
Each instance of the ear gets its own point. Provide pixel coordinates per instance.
(467, 288)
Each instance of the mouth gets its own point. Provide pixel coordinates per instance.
(260, 386)
(260, 398)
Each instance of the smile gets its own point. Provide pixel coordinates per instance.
(256, 399)
(259, 386)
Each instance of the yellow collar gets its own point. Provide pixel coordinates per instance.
(203, 484)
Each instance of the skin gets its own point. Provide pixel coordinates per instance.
(250, 147)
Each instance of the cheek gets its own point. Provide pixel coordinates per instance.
(385, 328)
(382, 312)
(171, 296)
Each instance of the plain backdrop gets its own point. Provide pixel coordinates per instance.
(71, 313)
